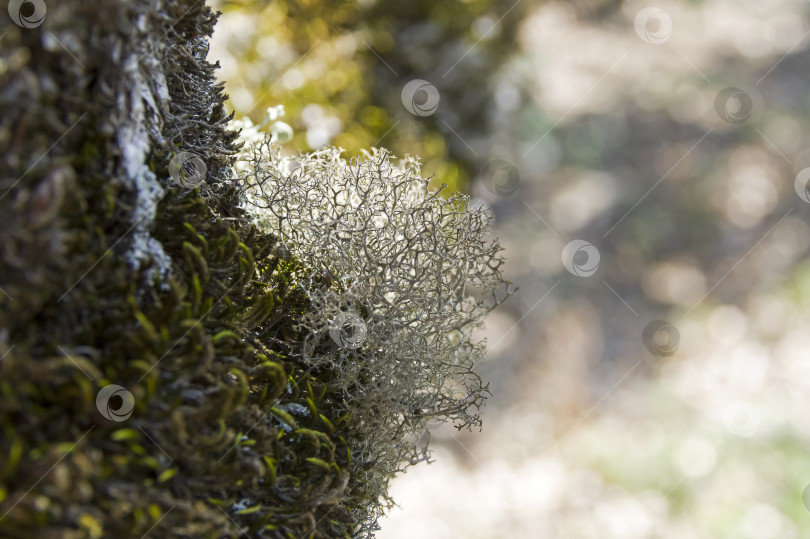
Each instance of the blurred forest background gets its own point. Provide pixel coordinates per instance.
(670, 136)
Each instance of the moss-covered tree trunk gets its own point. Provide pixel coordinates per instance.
(166, 367)
(138, 392)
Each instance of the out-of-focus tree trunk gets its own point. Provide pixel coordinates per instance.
(96, 97)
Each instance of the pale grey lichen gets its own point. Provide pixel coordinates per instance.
(402, 276)
(137, 131)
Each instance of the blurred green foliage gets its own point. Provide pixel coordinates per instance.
(339, 67)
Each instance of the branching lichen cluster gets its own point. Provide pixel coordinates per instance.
(401, 276)
(282, 350)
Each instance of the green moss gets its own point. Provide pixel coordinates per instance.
(204, 381)
(223, 438)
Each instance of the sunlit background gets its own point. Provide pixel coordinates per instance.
(667, 140)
